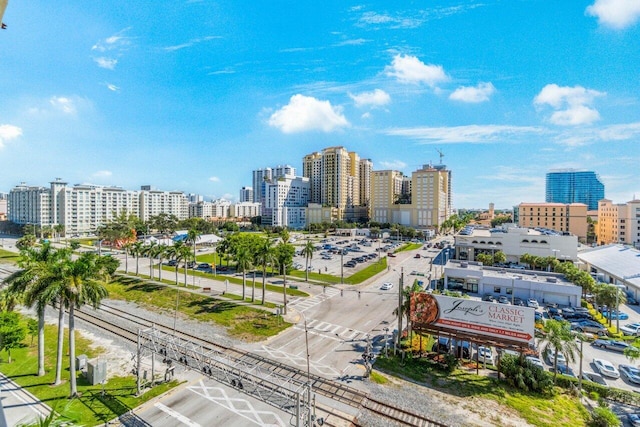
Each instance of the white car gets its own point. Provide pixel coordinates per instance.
(606, 368)
(386, 286)
(485, 355)
(532, 303)
(561, 359)
(535, 361)
(631, 329)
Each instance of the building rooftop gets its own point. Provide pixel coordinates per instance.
(528, 275)
(618, 260)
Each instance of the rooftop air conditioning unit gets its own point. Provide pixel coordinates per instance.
(552, 279)
(464, 265)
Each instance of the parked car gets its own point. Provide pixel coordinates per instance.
(613, 315)
(634, 419)
(629, 372)
(631, 300)
(416, 256)
(561, 359)
(391, 255)
(443, 345)
(564, 370)
(504, 300)
(631, 329)
(606, 368)
(222, 268)
(535, 361)
(594, 378)
(611, 345)
(386, 286)
(172, 263)
(488, 297)
(553, 311)
(484, 355)
(533, 303)
(589, 326)
(191, 264)
(518, 301)
(204, 266)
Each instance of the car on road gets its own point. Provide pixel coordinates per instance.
(611, 345)
(386, 286)
(589, 326)
(416, 256)
(629, 372)
(484, 355)
(634, 419)
(533, 303)
(631, 329)
(594, 378)
(391, 255)
(606, 368)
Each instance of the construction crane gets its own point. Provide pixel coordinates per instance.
(441, 155)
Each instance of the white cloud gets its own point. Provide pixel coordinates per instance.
(351, 42)
(393, 164)
(617, 14)
(375, 98)
(64, 104)
(409, 69)
(612, 133)
(305, 113)
(112, 87)
(214, 179)
(9, 132)
(572, 104)
(102, 174)
(473, 94)
(190, 43)
(108, 63)
(479, 134)
(114, 42)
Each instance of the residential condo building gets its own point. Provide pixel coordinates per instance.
(574, 186)
(566, 218)
(619, 223)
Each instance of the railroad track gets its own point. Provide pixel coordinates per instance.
(323, 386)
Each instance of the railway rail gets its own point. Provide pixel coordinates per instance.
(320, 385)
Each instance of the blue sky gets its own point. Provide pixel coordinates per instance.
(193, 95)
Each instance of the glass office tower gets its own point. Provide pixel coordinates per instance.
(574, 186)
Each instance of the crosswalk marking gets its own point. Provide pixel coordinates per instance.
(177, 415)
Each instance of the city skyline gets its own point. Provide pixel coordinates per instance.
(197, 96)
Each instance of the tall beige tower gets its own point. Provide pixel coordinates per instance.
(386, 186)
(431, 196)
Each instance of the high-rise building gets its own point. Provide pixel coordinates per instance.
(431, 197)
(286, 202)
(311, 168)
(365, 168)
(386, 187)
(265, 175)
(246, 194)
(619, 223)
(574, 186)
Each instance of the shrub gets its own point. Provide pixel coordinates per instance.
(523, 375)
(604, 417)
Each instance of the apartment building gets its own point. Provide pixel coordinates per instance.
(82, 208)
(386, 187)
(562, 217)
(246, 194)
(619, 223)
(286, 201)
(431, 198)
(574, 186)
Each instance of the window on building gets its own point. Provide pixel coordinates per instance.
(497, 289)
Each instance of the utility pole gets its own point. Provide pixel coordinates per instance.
(400, 286)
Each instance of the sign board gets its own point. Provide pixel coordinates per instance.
(489, 319)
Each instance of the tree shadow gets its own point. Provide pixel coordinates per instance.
(211, 306)
(146, 287)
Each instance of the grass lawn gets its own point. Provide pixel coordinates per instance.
(409, 247)
(8, 257)
(91, 408)
(553, 409)
(241, 321)
(356, 278)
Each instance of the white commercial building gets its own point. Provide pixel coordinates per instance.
(245, 210)
(514, 242)
(474, 278)
(614, 264)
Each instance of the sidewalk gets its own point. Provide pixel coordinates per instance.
(18, 406)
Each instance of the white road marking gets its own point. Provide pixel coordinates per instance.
(177, 415)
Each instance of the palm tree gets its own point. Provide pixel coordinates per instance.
(81, 285)
(160, 251)
(283, 254)
(185, 255)
(136, 250)
(149, 251)
(307, 251)
(32, 282)
(243, 259)
(264, 256)
(126, 248)
(559, 339)
(406, 305)
(174, 253)
(192, 237)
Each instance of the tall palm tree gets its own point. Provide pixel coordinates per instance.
(283, 256)
(264, 257)
(174, 253)
(558, 340)
(149, 251)
(126, 248)
(32, 282)
(136, 250)
(192, 237)
(307, 251)
(81, 285)
(185, 255)
(243, 259)
(406, 305)
(160, 252)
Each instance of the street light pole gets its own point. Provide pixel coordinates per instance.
(400, 286)
(580, 377)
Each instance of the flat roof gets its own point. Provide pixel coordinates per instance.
(528, 275)
(617, 260)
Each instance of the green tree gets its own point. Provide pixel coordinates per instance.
(137, 249)
(26, 241)
(32, 329)
(81, 285)
(264, 257)
(192, 237)
(559, 339)
(499, 258)
(611, 296)
(12, 333)
(307, 251)
(283, 255)
(485, 259)
(243, 261)
(405, 308)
